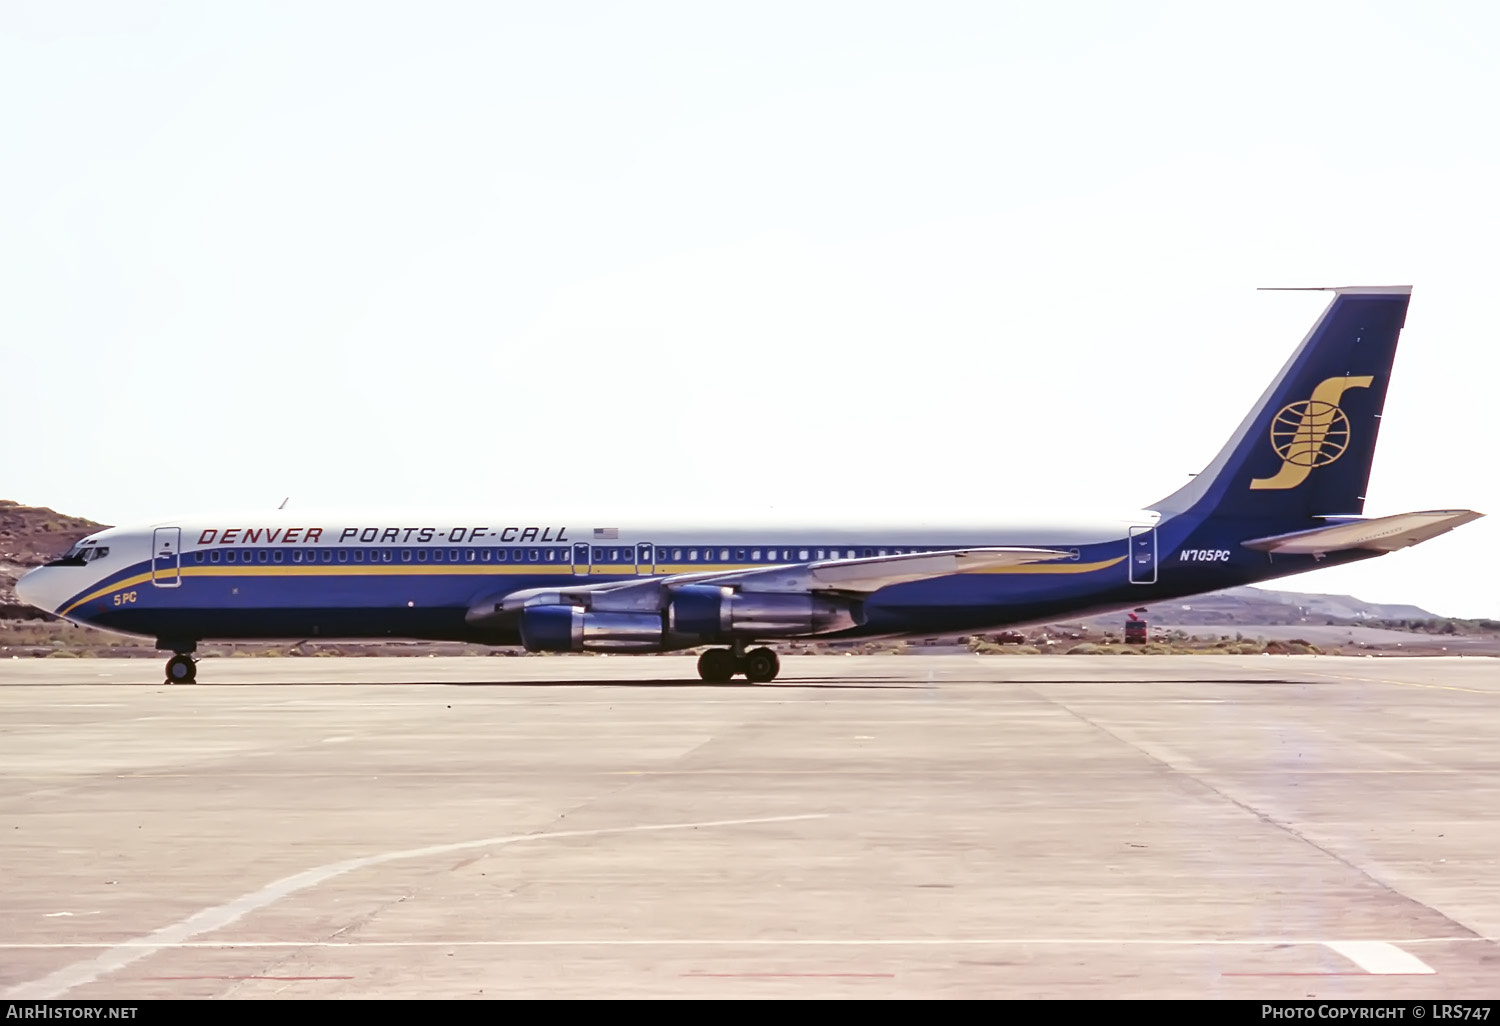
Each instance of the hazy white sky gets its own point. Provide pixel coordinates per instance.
(911, 258)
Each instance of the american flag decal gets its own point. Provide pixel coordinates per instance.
(606, 532)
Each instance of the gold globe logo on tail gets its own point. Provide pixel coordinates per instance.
(1310, 433)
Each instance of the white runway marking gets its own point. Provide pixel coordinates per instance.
(117, 956)
(1382, 958)
(761, 942)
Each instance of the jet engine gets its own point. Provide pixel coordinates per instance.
(715, 613)
(575, 629)
(694, 615)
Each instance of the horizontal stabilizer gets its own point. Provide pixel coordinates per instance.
(1380, 534)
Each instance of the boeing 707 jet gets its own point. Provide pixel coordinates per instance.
(1286, 494)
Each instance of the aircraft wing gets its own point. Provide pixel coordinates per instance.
(834, 577)
(1379, 534)
(870, 574)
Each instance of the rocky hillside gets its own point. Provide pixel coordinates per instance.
(1262, 606)
(30, 536)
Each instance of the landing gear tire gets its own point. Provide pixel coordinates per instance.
(761, 665)
(716, 665)
(182, 669)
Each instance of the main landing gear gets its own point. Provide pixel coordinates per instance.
(182, 669)
(718, 665)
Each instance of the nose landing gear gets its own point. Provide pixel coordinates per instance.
(182, 669)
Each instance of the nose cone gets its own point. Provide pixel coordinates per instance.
(38, 587)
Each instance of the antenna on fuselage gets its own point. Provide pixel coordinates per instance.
(284, 502)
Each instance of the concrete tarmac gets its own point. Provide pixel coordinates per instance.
(1263, 827)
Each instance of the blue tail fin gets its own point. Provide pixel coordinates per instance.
(1305, 449)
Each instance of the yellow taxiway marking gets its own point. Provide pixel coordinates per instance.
(1403, 683)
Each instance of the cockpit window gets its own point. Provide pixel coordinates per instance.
(80, 554)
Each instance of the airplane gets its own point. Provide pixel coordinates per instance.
(1284, 495)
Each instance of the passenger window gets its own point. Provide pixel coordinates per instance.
(359, 555)
(820, 553)
(343, 555)
(421, 555)
(296, 555)
(437, 555)
(484, 555)
(262, 555)
(533, 555)
(406, 555)
(385, 555)
(213, 557)
(197, 557)
(276, 557)
(229, 556)
(692, 555)
(677, 554)
(723, 555)
(802, 554)
(755, 556)
(453, 555)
